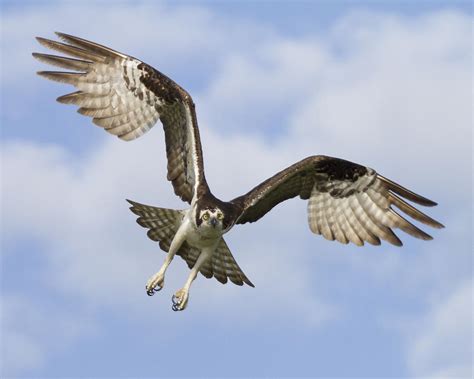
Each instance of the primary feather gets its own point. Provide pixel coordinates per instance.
(126, 97)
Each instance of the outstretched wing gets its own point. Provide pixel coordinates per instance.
(126, 97)
(347, 202)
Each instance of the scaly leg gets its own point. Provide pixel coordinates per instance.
(180, 298)
(156, 282)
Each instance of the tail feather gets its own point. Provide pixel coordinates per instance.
(164, 223)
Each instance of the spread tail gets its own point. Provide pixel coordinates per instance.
(163, 224)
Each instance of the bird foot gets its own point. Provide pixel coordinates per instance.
(155, 284)
(180, 300)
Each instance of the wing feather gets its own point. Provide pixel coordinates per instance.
(64, 62)
(342, 228)
(350, 226)
(347, 202)
(367, 226)
(378, 220)
(412, 211)
(71, 50)
(326, 222)
(127, 97)
(408, 227)
(89, 46)
(86, 100)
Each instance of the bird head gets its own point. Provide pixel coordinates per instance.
(210, 218)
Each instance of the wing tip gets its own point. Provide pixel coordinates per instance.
(406, 193)
(222, 280)
(45, 42)
(47, 75)
(41, 40)
(248, 282)
(132, 203)
(397, 243)
(133, 206)
(426, 237)
(65, 99)
(428, 202)
(375, 241)
(65, 37)
(438, 225)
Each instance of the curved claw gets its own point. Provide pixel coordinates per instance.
(152, 291)
(176, 303)
(175, 300)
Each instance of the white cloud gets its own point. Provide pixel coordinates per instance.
(265, 83)
(384, 82)
(398, 85)
(442, 343)
(32, 332)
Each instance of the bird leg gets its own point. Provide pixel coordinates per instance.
(157, 281)
(180, 298)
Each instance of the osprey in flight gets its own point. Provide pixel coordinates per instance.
(347, 202)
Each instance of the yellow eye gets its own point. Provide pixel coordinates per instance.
(205, 216)
(220, 216)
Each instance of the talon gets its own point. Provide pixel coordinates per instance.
(175, 300)
(150, 292)
(176, 303)
(180, 300)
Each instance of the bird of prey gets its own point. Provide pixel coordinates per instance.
(347, 202)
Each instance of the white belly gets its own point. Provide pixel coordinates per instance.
(200, 242)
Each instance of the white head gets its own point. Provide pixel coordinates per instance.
(210, 220)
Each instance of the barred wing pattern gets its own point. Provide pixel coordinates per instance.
(347, 202)
(163, 224)
(222, 264)
(126, 97)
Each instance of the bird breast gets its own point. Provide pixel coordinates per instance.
(200, 237)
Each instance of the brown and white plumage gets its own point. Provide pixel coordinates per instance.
(347, 202)
(126, 97)
(163, 224)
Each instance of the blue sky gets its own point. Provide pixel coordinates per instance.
(386, 84)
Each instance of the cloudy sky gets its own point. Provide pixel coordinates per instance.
(385, 84)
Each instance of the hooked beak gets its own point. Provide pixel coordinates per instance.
(213, 222)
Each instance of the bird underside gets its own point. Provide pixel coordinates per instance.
(166, 227)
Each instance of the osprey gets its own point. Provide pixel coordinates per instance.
(347, 202)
